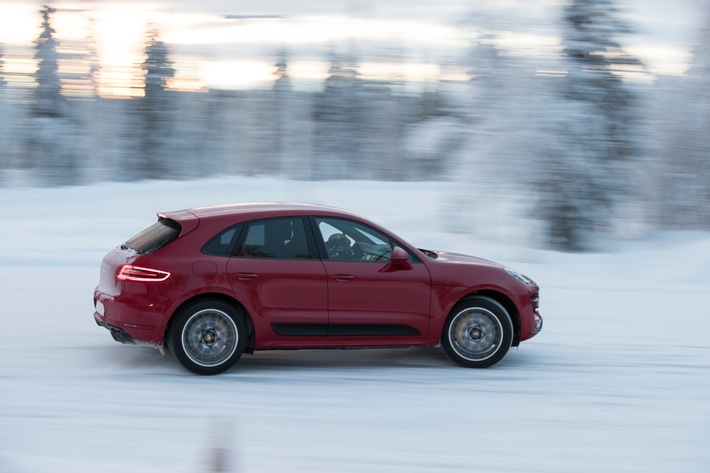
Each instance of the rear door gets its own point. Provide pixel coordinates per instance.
(276, 273)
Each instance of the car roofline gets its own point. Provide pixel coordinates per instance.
(264, 209)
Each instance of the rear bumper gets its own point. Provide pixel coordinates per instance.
(129, 319)
(117, 333)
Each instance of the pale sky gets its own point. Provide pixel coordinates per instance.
(223, 43)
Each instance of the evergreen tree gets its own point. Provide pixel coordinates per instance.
(3, 83)
(52, 142)
(92, 58)
(283, 114)
(157, 67)
(339, 120)
(596, 128)
(490, 73)
(498, 139)
(156, 111)
(49, 100)
(283, 81)
(594, 58)
(4, 155)
(685, 179)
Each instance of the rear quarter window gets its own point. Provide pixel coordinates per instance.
(154, 237)
(223, 243)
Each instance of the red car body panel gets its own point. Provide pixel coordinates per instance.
(286, 291)
(328, 303)
(370, 293)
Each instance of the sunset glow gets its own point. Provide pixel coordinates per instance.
(211, 50)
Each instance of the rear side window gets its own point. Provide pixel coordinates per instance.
(223, 243)
(154, 237)
(279, 238)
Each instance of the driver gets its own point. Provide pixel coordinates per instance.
(338, 247)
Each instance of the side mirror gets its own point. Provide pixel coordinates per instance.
(400, 257)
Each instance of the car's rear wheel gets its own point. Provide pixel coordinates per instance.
(477, 333)
(208, 337)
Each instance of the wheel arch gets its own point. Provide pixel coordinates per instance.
(251, 339)
(507, 304)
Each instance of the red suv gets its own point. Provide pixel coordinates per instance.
(212, 283)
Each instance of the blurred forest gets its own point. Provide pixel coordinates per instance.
(579, 141)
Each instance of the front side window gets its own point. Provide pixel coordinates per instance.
(279, 238)
(346, 240)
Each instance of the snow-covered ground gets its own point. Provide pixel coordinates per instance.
(618, 381)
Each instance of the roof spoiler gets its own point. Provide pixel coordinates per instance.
(187, 220)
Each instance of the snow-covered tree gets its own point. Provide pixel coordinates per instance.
(594, 131)
(684, 186)
(594, 59)
(49, 100)
(156, 112)
(499, 137)
(92, 58)
(157, 67)
(338, 115)
(4, 154)
(52, 142)
(283, 81)
(490, 73)
(284, 126)
(3, 83)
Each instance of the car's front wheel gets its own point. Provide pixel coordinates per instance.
(208, 337)
(477, 333)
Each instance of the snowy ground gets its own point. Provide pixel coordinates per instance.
(618, 381)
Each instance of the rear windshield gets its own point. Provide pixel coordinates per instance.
(154, 237)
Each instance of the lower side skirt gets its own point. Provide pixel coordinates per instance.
(343, 330)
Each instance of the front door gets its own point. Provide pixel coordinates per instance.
(370, 300)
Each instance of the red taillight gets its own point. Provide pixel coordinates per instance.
(129, 272)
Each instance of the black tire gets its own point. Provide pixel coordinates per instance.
(477, 333)
(208, 337)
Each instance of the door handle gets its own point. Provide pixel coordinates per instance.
(246, 276)
(343, 277)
